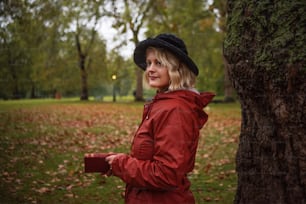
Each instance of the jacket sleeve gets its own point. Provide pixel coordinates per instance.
(173, 132)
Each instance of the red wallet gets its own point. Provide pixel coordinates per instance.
(95, 162)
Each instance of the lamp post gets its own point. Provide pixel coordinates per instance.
(114, 77)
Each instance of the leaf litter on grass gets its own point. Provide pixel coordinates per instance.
(44, 148)
(47, 144)
(214, 172)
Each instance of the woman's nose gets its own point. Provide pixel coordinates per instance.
(151, 67)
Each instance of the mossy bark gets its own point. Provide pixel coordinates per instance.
(265, 50)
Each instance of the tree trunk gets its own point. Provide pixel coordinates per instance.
(229, 93)
(13, 73)
(16, 94)
(84, 88)
(82, 60)
(135, 24)
(139, 73)
(33, 95)
(265, 52)
(139, 86)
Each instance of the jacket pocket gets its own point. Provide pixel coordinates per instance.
(143, 147)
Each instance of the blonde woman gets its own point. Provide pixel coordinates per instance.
(164, 146)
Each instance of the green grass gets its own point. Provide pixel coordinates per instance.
(42, 143)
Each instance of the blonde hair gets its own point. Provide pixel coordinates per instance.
(181, 77)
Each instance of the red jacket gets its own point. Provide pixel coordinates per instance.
(164, 148)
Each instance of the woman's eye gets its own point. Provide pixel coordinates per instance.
(148, 64)
(158, 63)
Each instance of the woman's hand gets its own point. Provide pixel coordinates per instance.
(110, 160)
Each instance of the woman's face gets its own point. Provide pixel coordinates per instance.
(157, 74)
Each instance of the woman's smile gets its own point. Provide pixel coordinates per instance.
(153, 77)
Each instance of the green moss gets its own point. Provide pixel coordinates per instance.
(271, 35)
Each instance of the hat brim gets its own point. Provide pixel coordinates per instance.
(140, 53)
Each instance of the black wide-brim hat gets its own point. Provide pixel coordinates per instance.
(169, 42)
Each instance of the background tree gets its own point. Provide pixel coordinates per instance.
(130, 17)
(218, 8)
(44, 34)
(265, 49)
(26, 31)
(13, 49)
(124, 71)
(84, 17)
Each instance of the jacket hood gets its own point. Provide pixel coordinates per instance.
(197, 101)
(189, 96)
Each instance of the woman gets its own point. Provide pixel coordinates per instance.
(164, 146)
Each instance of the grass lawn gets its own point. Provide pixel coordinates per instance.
(42, 144)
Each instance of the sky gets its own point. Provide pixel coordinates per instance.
(113, 38)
